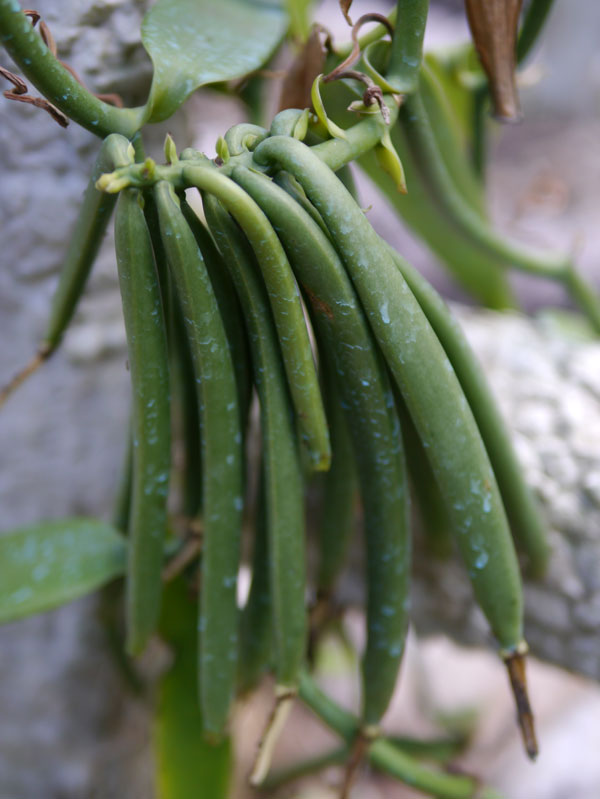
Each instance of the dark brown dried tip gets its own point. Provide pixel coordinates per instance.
(515, 664)
(34, 16)
(295, 91)
(22, 376)
(19, 93)
(364, 738)
(345, 9)
(494, 26)
(355, 52)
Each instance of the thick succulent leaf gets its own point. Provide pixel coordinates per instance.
(195, 42)
(188, 766)
(49, 564)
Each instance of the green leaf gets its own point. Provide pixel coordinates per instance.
(188, 767)
(195, 42)
(49, 564)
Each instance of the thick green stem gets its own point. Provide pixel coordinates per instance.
(360, 138)
(56, 83)
(385, 756)
(533, 22)
(287, 774)
(421, 140)
(584, 295)
(480, 118)
(332, 715)
(407, 45)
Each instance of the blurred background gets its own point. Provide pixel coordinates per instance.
(69, 728)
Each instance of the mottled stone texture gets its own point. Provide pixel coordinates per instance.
(68, 729)
(65, 727)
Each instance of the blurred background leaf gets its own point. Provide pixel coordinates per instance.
(48, 564)
(196, 42)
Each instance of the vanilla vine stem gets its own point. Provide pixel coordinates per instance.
(360, 138)
(55, 83)
(385, 756)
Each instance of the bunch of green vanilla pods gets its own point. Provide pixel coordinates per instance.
(280, 293)
(255, 281)
(377, 386)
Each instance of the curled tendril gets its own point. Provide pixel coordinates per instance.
(328, 40)
(355, 54)
(19, 93)
(373, 93)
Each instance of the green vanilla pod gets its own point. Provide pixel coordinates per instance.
(283, 488)
(229, 308)
(185, 421)
(222, 462)
(256, 634)
(185, 418)
(285, 303)
(94, 215)
(524, 516)
(337, 520)
(373, 424)
(148, 364)
(430, 504)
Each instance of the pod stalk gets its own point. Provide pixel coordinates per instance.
(284, 700)
(359, 751)
(34, 364)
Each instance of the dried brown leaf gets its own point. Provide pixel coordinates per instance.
(295, 92)
(345, 9)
